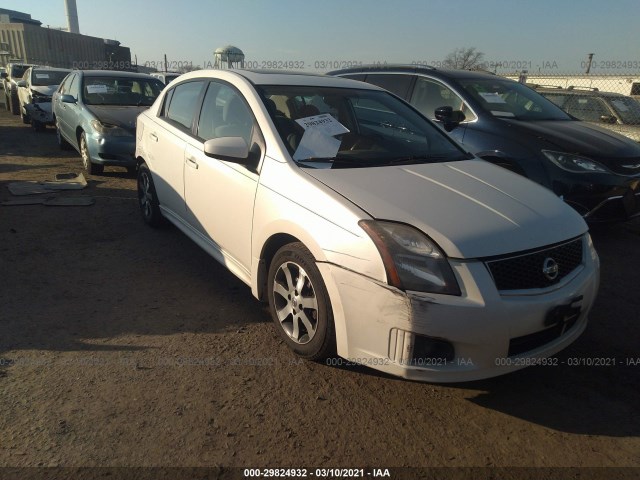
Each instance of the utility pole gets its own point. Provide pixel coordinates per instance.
(589, 59)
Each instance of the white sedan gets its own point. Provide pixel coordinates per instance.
(370, 233)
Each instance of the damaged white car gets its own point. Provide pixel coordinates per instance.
(369, 232)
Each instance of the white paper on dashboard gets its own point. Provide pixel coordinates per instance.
(498, 113)
(42, 75)
(325, 123)
(491, 97)
(96, 89)
(316, 144)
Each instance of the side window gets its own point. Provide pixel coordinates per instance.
(73, 87)
(428, 95)
(224, 114)
(64, 87)
(183, 104)
(398, 84)
(589, 109)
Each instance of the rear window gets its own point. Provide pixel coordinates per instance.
(17, 71)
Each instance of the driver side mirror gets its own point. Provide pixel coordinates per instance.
(230, 149)
(66, 98)
(449, 117)
(610, 119)
(21, 83)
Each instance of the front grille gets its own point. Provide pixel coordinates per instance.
(526, 270)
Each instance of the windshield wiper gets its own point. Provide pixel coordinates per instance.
(413, 159)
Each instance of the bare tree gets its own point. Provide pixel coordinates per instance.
(465, 58)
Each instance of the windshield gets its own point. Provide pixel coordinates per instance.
(509, 99)
(345, 128)
(41, 78)
(124, 91)
(627, 108)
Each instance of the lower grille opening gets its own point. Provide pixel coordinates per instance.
(526, 343)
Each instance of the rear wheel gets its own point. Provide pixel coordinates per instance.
(299, 303)
(62, 143)
(148, 198)
(90, 167)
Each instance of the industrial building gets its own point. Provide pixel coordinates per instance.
(23, 39)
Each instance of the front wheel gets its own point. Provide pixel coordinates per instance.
(91, 168)
(299, 303)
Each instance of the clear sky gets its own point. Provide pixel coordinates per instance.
(556, 34)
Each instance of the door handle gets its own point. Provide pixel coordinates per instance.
(192, 162)
(154, 136)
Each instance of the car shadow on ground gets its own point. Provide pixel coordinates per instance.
(73, 276)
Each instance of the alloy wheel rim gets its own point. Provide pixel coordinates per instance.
(295, 302)
(84, 152)
(145, 195)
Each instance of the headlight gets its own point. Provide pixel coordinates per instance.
(412, 261)
(109, 130)
(573, 163)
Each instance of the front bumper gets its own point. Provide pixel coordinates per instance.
(379, 326)
(40, 112)
(600, 197)
(112, 150)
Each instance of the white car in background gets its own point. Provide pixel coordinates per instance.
(368, 231)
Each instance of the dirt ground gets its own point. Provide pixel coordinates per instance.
(124, 346)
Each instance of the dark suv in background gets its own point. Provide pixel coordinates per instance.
(594, 170)
(10, 76)
(609, 110)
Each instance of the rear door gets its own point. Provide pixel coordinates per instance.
(165, 139)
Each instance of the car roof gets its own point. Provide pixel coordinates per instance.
(113, 73)
(49, 69)
(276, 77)
(416, 70)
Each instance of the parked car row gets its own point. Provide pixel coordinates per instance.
(594, 170)
(368, 220)
(609, 110)
(367, 229)
(95, 113)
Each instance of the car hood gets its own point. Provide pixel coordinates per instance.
(44, 89)
(471, 208)
(629, 131)
(584, 138)
(121, 116)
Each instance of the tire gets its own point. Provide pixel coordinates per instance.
(299, 303)
(38, 126)
(15, 105)
(148, 198)
(26, 119)
(62, 143)
(89, 166)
